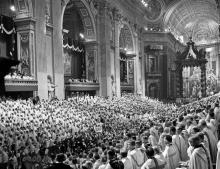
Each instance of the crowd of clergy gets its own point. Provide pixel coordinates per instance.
(130, 132)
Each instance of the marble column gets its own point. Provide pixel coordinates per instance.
(117, 25)
(49, 39)
(203, 80)
(104, 64)
(137, 67)
(218, 63)
(57, 42)
(143, 65)
(218, 45)
(41, 57)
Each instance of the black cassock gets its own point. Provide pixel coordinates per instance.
(5, 67)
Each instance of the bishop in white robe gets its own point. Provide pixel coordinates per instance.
(218, 157)
(171, 154)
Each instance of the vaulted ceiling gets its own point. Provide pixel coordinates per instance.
(185, 18)
(196, 18)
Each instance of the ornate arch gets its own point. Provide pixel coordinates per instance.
(86, 15)
(126, 37)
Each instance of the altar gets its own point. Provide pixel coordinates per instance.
(191, 73)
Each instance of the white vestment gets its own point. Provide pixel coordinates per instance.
(172, 157)
(138, 158)
(150, 164)
(218, 157)
(127, 163)
(181, 147)
(199, 159)
(212, 143)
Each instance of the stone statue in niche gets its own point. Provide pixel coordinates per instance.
(51, 87)
(48, 11)
(113, 85)
(91, 65)
(131, 66)
(153, 90)
(25, 55)
(139, 89)
(131, 71)
(67, 62)
(151, 64)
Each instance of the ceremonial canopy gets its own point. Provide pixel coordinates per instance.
(190, 57)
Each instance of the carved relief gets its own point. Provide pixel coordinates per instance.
(113, 85)
(92, 7)
(32, 55)
(112, 32)
(125, 39)
(48, 11)
(116, 14)
(22, 6)
(91, 59)
(67, 62)
(83, 12)
(25, 55)
(139, 88)
(87, 18)
(131, 71)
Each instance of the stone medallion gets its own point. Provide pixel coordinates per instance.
(154, 10)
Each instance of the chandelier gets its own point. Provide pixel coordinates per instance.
(145, 2)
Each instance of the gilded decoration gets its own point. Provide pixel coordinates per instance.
(153, 10)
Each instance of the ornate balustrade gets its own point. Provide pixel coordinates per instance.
(21, 85)
(127, 87)
(81, 86)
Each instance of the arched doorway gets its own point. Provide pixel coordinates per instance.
(79, 54)
(126, 45)
(73, 47)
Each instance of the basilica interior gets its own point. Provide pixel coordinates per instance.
(110, 47)
(109, 84)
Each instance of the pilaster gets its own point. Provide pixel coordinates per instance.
(137, 67)
(117, 26)
(26, 45)
(143, 64)
(91, 48)
(218, 47)
(41, 58)
(57, 51)
(104, 66)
